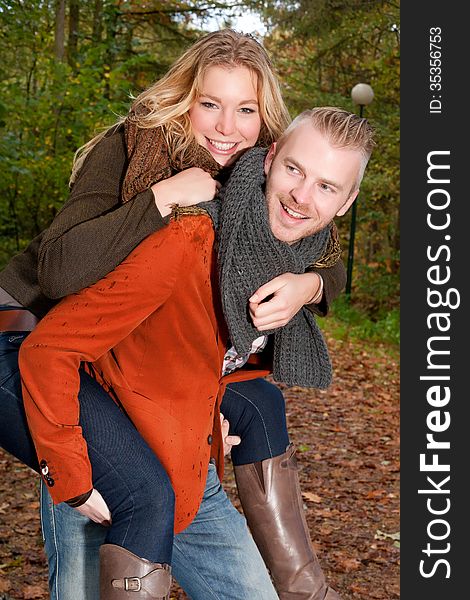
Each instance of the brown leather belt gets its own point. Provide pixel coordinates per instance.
(17, 320)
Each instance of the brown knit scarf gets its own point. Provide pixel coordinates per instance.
(149, 158)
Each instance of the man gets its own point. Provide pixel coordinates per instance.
(164, 297)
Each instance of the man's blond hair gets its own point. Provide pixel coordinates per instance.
(342, 128)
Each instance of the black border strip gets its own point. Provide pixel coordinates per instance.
(434, 128)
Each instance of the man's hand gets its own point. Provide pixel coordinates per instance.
(96, 509)
(290, 292)
(229, 440)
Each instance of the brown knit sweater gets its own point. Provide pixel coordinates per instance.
(95, 231)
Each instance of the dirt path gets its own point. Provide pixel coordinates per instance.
(348, 441)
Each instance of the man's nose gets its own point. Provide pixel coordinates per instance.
(226, 123)
(302, 193)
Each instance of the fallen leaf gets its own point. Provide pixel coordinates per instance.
(350, 564)
(393, 589)
(311, 497)
(381, 535)
(33, 591)
(375, 494)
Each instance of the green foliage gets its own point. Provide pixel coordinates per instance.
(322, 48)
(55, 97)
(52, 104)
(349, 321)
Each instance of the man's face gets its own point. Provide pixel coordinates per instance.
(308, 183)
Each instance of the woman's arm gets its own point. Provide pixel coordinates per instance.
(83, 327)
(290, 292)
(334, 281)
(94, 231)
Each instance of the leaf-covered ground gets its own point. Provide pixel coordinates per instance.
(348, 451)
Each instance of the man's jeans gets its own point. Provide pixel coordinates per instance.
(214, 558)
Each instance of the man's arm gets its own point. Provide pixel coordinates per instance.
(83, 327)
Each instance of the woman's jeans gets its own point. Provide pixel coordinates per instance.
(125, 470)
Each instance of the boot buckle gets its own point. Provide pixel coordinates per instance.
(132, 584)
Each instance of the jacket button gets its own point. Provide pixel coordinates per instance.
(43, 464)
(209, 439)
(49, 481)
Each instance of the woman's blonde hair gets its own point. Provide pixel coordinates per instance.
(170, 98)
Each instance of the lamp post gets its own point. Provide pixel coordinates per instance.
(361, 94)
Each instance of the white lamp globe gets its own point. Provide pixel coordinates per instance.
(362, 94)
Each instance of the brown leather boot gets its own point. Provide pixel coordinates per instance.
(272, 503)
(125, 576)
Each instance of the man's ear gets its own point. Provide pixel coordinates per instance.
(269, 158)
(344, 209)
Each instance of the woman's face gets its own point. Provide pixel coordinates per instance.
(225, 117)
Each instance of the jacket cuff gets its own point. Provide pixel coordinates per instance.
(79, 500)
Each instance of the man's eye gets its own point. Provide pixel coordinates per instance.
(326, 187)
(292, 169)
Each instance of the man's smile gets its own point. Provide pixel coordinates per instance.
(293, 213)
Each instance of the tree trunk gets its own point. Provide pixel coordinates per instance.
(59, 49)
(97, 24)
(74, 18)
(111, 32)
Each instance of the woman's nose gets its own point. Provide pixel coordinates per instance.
(226, 123)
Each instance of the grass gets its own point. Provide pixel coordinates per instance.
(348, 321)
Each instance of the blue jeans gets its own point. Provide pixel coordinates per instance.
(255, 410)
(215, 558)
(125, 470)
(14, 433)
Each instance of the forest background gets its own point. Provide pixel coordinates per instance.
(69, 68)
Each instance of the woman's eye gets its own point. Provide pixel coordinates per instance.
(247, 111)
(208, 105)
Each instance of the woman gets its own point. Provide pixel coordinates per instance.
(177, 133)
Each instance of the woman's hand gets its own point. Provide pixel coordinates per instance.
(96, 509)
(186, 188)
(289, 293)
(229, 440)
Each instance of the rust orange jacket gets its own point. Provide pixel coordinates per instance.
(154, 333)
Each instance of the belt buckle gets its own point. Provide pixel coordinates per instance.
(132, 584)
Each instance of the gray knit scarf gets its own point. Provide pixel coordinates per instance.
(250, 256)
